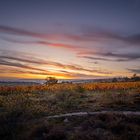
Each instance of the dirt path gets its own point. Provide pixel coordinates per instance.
(137, 113)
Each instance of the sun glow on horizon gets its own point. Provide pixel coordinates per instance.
(69, 41)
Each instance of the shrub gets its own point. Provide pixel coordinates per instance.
(51, 81)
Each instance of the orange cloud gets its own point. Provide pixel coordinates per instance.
(35, 67)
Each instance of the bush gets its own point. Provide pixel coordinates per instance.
(51, 81)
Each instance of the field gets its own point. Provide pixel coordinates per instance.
(24, 111)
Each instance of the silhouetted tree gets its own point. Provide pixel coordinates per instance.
(134, 75)
(114, 80)
(135, 78)
(126, 79)
(51, 81)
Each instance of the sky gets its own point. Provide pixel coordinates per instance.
(69, 39)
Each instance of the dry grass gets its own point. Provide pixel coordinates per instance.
(28, 103)
(57, 88)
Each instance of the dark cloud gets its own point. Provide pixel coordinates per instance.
(21, 32)
(88, 34)
(44, 43)
(91, 33)
(17, 31)
(19, 65)
(107, 56)
(37, 61)
(127, 56)
(134, 39)
(134, 70)
(103, 59)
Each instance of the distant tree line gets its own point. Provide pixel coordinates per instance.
(53, 80)
(134, 78)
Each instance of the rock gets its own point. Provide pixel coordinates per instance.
(66, 120)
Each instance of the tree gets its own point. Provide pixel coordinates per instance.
(126, 79)
(114, 80)
(134, 75)
(135, 78)
(51, 81)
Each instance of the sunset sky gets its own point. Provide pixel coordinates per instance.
(69, 39)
